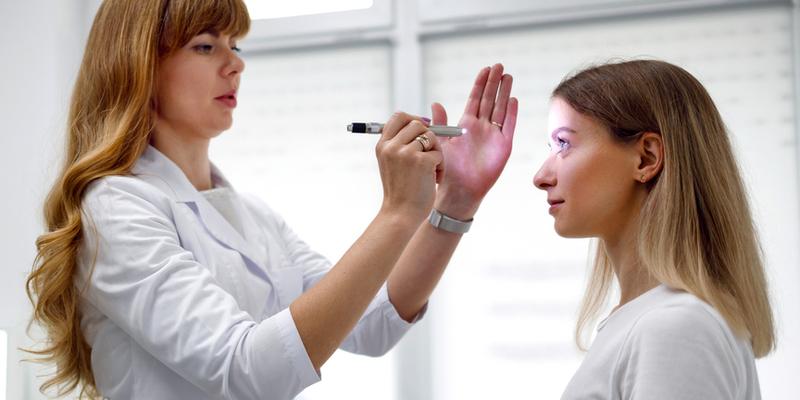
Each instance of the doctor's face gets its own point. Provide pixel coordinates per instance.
(587, 175)
(197, 86)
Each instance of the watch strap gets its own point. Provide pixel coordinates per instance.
(449, 224)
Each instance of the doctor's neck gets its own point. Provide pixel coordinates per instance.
(190, 153)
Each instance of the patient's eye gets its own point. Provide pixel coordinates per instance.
(561, 144)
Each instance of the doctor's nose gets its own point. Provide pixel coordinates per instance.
(234, 65)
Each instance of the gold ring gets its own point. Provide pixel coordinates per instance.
(424, 141)
(497, 124)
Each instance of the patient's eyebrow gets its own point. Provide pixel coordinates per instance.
(561, 129)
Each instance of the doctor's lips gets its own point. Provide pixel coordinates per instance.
(229, 99)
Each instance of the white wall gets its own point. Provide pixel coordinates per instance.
(40, 52)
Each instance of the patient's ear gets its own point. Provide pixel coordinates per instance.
(650, 149)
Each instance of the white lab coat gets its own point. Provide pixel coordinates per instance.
(180, 305)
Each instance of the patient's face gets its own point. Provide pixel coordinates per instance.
(588, 175)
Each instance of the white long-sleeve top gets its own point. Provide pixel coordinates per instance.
(177, 304)
(666, 344)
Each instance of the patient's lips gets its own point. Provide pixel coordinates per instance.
(555, 204)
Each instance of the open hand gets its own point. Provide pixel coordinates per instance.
(474, 161)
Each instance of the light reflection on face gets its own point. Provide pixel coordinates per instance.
(587, 176)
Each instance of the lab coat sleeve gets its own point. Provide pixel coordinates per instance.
(379, 328)
(155, 291)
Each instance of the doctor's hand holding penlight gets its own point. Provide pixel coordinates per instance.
(477, 149)
(409, 158)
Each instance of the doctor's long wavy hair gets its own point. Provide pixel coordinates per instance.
(696, 232)
(110, 121)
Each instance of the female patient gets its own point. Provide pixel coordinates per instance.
(642, 161)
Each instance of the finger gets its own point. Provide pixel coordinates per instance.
(440, 167)
(434, 141)
(434, 156)
(439, 172)
(490, 92)
(413, 129)
(396, 123)
(435, 160)
(510, 121)
(499, 113)
(439, 114)
(474, 100)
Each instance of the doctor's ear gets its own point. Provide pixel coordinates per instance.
(650, 149)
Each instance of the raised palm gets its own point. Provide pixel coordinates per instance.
(474, 161)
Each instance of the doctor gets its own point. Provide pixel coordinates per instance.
(156, 279)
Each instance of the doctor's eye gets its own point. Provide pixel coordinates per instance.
(203, 48)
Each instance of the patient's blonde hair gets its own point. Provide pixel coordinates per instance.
(108, 128)
(697, 233)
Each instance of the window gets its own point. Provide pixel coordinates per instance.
(272, 10)
(339, 21)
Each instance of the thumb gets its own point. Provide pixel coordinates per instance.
(439, 114)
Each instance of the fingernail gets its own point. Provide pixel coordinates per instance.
(426, 119)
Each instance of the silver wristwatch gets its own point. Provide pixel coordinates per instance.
(445, 223)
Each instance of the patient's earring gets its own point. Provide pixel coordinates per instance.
(642, 178)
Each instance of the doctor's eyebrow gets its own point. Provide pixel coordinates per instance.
(211, 31)
(215, 33)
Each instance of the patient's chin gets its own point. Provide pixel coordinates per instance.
(569, 231)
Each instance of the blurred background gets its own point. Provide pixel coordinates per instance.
(500, 324)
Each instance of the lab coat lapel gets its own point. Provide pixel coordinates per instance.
(160, 170)
(249, 234)
(222, 231)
